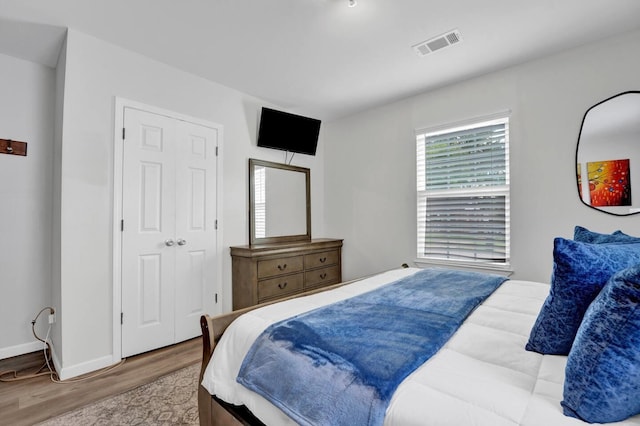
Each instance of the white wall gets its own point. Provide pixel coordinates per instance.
(26, 114)
(56, 259)
(370, 157)
(96, 72)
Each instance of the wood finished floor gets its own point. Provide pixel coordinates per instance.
(28, 402)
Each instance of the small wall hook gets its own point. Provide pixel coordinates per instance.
(8, 146)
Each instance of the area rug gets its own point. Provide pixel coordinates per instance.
(170, 400)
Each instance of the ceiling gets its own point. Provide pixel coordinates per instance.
(320, 57)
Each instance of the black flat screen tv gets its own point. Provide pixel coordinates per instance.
(288, 132)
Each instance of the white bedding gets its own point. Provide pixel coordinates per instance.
(482, 376)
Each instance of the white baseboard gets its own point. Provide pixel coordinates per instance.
(63, 372)
(83, 368)
(25, 348)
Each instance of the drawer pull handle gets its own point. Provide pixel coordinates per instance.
(323, 275)
(282, 267)
(323, 259)
(282, 286)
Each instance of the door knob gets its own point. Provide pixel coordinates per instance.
(181, 241)
(169, 242)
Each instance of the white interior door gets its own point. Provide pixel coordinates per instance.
(168, 237)
(195, 226)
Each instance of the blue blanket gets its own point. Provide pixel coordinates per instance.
(340, 364)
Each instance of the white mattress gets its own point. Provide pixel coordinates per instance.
(482, 376)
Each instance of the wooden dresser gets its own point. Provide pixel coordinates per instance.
(266, 272)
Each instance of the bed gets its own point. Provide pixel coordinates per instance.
(482, 375)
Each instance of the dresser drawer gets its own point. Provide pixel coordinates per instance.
(284, 265)
(325, 258)
(321, 277)
(280, 286)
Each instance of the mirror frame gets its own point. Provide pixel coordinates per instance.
(600, 209)
(252, 197)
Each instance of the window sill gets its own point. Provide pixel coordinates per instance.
(505, 270)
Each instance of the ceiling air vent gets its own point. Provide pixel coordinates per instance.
(439, 42)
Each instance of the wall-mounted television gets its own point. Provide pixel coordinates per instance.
(288, 132)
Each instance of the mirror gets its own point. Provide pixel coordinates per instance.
(608, 155)
(279, 203)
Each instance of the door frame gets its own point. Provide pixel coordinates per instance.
(118, 144)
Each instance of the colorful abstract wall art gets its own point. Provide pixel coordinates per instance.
(609, 183)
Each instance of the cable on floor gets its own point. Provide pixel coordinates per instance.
(46, 369)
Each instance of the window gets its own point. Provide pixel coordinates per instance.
(463, 193)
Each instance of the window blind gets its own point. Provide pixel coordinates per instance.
(260, 207)
(463, 193)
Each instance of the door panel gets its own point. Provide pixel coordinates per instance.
(194, 283)
(197, 199)
(151, 196)
(150, 289)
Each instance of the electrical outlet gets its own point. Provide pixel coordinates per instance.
(52, 318)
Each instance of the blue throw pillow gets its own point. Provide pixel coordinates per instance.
(580, 270)
(584, 235)
(602, 380)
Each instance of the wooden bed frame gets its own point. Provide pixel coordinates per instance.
(213, 411)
